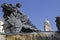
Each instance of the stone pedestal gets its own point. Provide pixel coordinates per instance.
(32, 36)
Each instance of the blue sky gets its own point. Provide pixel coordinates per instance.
(38, 10)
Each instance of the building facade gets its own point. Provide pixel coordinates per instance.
(1, 27)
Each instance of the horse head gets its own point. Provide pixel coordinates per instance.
(7, 9)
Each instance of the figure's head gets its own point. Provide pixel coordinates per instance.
(58, 22)
(18, 5)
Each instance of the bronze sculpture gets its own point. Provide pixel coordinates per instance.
(16, 21)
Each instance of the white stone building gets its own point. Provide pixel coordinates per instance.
(1, 27)
(47, 26)
(2, 37)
